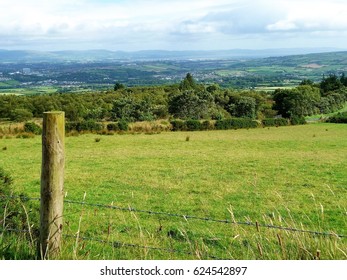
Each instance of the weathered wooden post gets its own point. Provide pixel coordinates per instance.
(52, 184)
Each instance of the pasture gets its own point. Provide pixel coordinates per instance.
(293, 177)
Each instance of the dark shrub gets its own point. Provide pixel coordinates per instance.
(193, 125)
(297, 120)
(236, 123)
(20, 115)
(178, 125)
(89, 125)
(223, 124)
(338, 118)
(275, 122)
(207, 125)
(70, 126)
(32, 127)
(243, 123)
(123, 125)
(112, 127)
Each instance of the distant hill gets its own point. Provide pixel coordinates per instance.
(231, 68)
(23, 56)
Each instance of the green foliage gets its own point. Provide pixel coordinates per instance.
(112, 127)
(306, 82)
(223, 124)
(32, 127)
(338, 118)
(235, 123)
(331, 83)
(297, 120)
(130, 109)
(207, 125)
(193, 125)
(244, 107)
(178, 125)
(118, 86)
(123, 125)
(243, 123)
(185, 101)
(300, 101)
(188, 83)
(191, 105)
(89, 125)
(13, 213)
(5, 182)
(20, 115)
(276, 121)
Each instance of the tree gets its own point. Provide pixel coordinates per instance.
(191, 105)
(188, 83)
(306, 82)
(330, 83)
(118, 86)
(301, 101)
(343, 79)
(21, 115)
(244, 107)
(129, 109)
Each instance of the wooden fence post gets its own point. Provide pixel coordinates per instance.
(52, 184)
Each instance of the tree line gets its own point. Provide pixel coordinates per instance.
(187, 100)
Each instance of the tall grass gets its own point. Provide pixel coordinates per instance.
(282, 176)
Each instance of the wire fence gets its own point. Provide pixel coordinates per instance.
(187, 216)
(189, 251)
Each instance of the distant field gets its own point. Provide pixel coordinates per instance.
(29, 90)
(287, 176)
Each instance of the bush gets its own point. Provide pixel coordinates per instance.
(207, 125)
(32, 127)
(89, 125)
(123, 125)
(235, 123)
(20, 115)
(243, 123)
(275, 122)
(112, 127)
(178, 125)
(70, 126)
(297, 120)
(193, 125)
(223, 124)
(338, 118)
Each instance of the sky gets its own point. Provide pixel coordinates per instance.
(132, 25)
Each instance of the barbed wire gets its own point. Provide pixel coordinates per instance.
(186, 216)
(119, 244)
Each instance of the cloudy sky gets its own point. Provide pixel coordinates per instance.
(132, 25)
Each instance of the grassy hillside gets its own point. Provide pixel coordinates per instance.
(288, 176)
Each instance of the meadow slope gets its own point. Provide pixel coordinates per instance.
(288, 176)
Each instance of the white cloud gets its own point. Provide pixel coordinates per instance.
(135, 24)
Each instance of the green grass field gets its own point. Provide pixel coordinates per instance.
(30, 90)
(288, 176)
